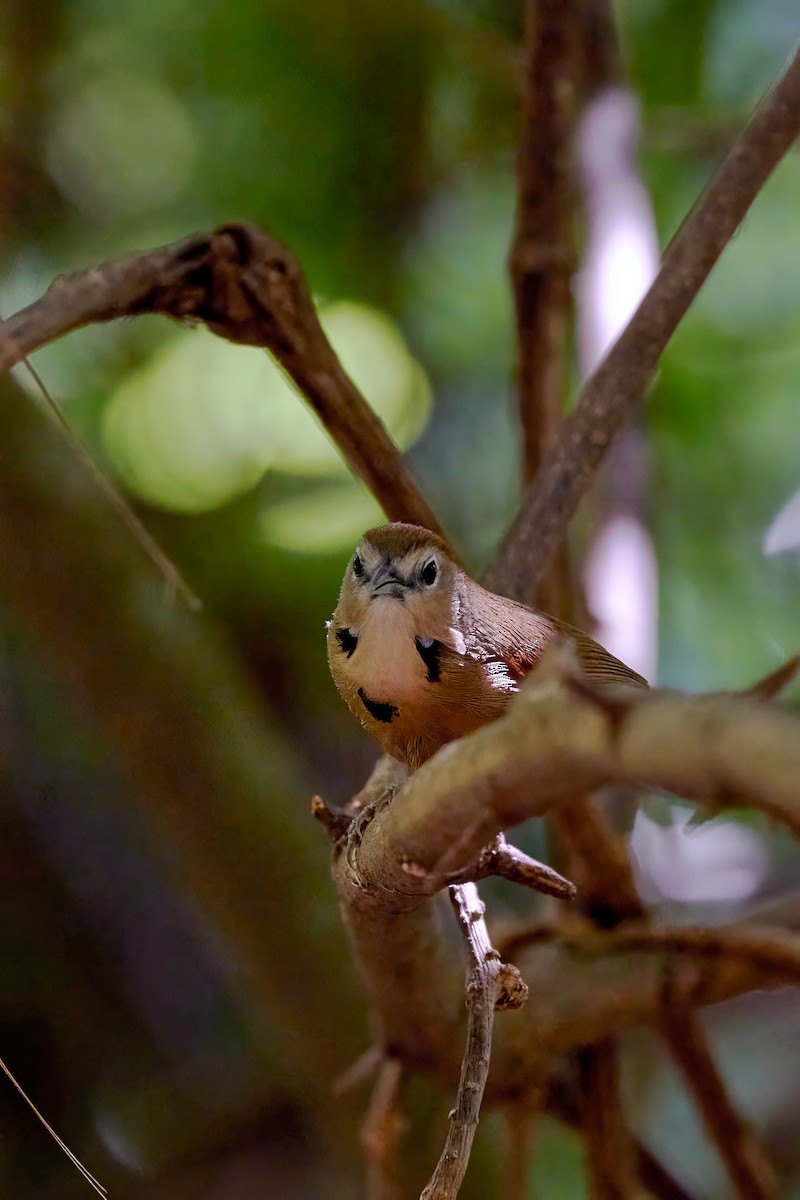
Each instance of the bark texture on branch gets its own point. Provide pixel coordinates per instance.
(555, 743)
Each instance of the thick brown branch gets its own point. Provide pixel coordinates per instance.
(249, 289)
(620, 381)
(551, 746)
(542, 257)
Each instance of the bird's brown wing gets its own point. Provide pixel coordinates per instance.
(517, 636)
(597, 664)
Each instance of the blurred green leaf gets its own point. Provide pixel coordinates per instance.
(203, 420)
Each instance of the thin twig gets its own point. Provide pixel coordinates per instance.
(487, 987)
(161, 561)
(382, 1130)
(542, 256)
(746, 1160)
(249, 289)
(364, 1068)
(76, 1162)
(767, 950)
(335, 822)
(509, 862)
(502, 860)
(774, 683)
(612, 392)
(609, 1152)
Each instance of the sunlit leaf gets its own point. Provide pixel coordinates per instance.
(327, 518)
(203, 420)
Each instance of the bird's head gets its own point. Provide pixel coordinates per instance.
(400, 564)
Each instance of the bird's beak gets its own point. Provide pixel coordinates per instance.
(386, 582)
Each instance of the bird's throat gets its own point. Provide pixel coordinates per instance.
(387, 664)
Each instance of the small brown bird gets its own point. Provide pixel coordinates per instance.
(422, 654)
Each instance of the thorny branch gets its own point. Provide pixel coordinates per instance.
(491, 984)
(610, 395)
(249, 289)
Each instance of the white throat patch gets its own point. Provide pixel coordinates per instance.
(387, 664)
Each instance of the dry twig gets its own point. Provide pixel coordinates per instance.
(610, 395)
(504, 861)
(491, 984)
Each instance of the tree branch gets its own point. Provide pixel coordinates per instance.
(491, 984)
(612, 392)
(653, 1177)
(552, 745)
(248, 289)
(508, 862)
(542, 256)
(746, 1160)
(609, 1152)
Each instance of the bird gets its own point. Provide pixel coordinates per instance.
(422, 654)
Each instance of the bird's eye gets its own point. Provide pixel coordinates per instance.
(358, 567)
(429, 573)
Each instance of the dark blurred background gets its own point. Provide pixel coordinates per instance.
(377, 141)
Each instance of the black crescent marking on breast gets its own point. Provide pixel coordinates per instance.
(347, 640)
(381, 712)
(430, 656)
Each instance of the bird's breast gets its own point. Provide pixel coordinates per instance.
(387, 666)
